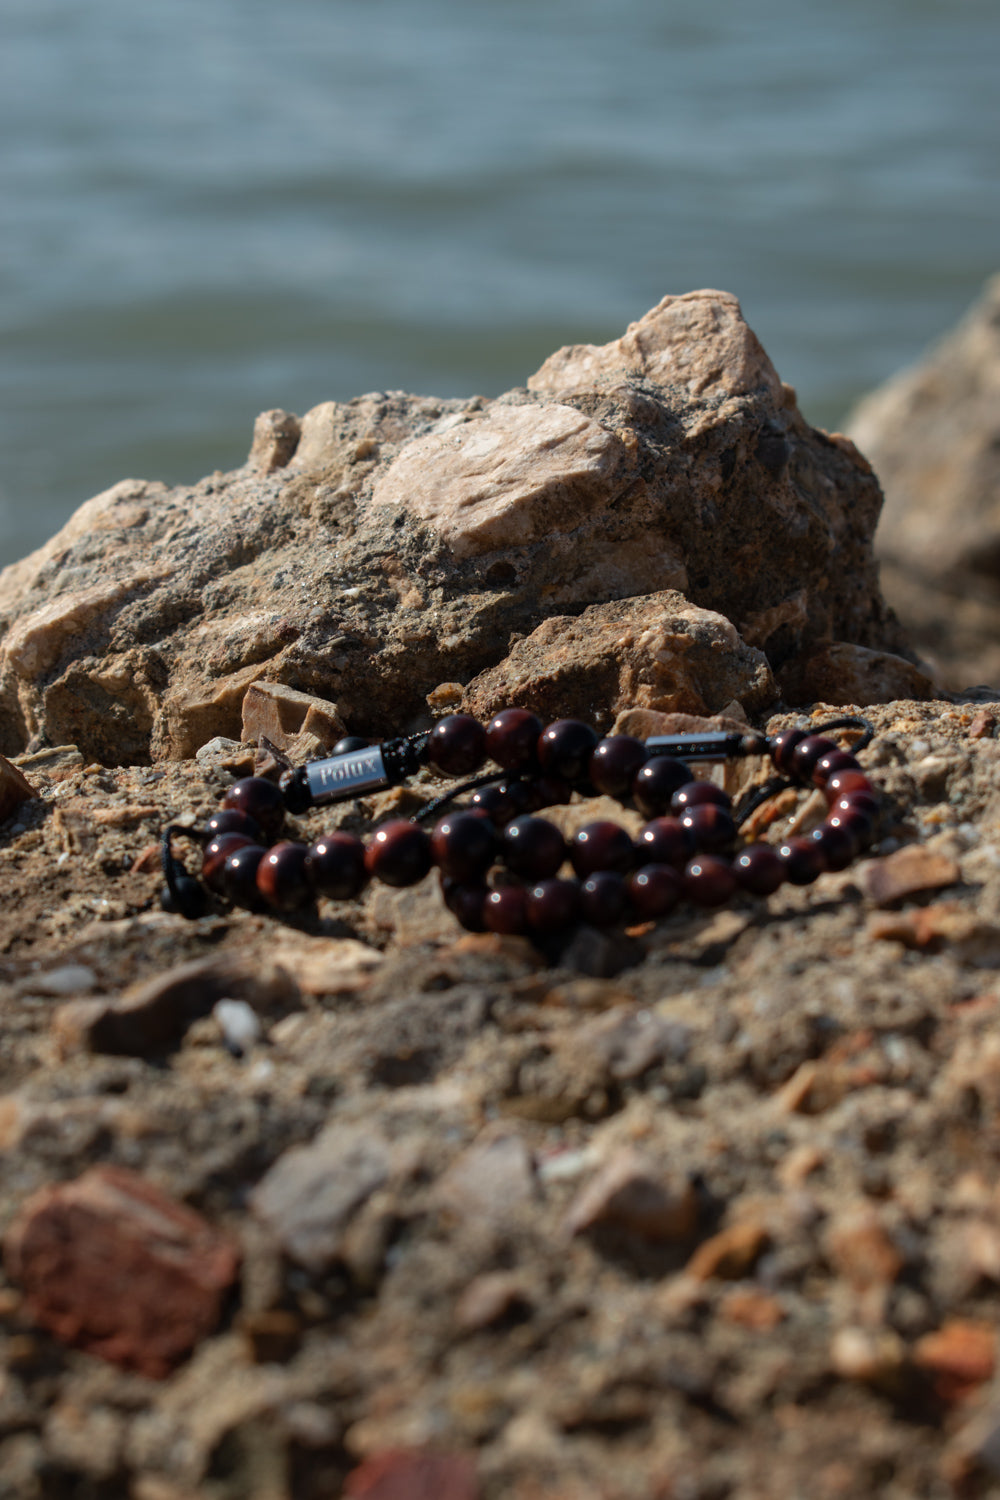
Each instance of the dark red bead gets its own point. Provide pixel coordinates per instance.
(602, 845)
(654, 785)
(457, 745)
(803, 759)
(863, 802)
(802, 858)
(665, 841)
(521, 797)
(215, 854)
(837, 760)
(553, 905)
(654, 890)
(464, 845)
(614, 764)
(696, 794)
(466, 901)
(709, 881)
(533, 848)
(231, 820)
(604, 899)
(550, 791)
(282, 879)
(399, 853)
(239, 877)
(858, 825)
(261, 800)
(565, 748)
(335, 866)
(495, 803)
(781, 746)
(506, 910)
(512, 739)
(711, 827)
(836, 845)
(758, 869)
(842, 783)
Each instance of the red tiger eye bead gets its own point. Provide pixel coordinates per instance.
(335, 866)
(615, 762)
(261, 800)
(464, 845)
(238, 879)
(604, 899)
(665, 841)
(781, 747)
(512, 739)
(840, 783)
(803, 860)
(533, 848)
(655, 783)
(758, 869)
(281, 877)
(802, 761)
(836, 760)
(466, 900)
(215, 854)
(708, 880)
(457, 745)
(602, 845)
(553, 905)
(506, 911)
(565, 748)
(654, 890)
(836, 845)
(399, 853)
(696, 794)
(711, 827)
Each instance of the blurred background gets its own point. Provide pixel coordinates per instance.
(210, 207)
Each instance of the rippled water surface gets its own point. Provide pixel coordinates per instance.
(211, 208)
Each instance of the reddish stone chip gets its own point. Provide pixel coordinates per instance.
(409, 1474)
(113, 1265)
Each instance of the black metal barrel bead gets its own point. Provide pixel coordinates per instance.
(457, 745)
(399, 853)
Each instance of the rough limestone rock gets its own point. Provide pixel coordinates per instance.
(382, 547)
(933, 436)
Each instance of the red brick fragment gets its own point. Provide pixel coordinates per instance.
(111, 1264)
(412, 1474)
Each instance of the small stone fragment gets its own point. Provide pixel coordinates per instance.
(15, 789)
(728, 1255)
(411, 1474)
(239, 1024)
(630, 1195)
(283, 715)
(488, 1181)
(275, 438)
(870, 1355)
(113, 1265)
(487, 1299)
(907, 872)
(310, 1195)
(960, 1356)
(812, 1088)
(627, 1041)
(70, 979)
(750, 1308)
(861, 1251)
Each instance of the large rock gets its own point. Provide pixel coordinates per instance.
(387, 545)
(933, 436)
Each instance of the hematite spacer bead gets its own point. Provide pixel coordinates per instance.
(601, 845)
(457, 745)
(512, 739)
(565, 748)
(399, 853)
(282, 878)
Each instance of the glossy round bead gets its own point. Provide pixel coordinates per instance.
(803, 759)
(239, 877)
(836, 760)
(512, 739)
(261, 800)
(711, 827)
(841, 783)
(464, 845)
(802, 858)
(466, 899)
(655, 783)
(399, 853)
(708, 880)
(533, 848)
(565, 748)
(335, 866)
(858, 825)
(654, 890)
(758, 869)
(696, 794)
(231, 820)
(506, 910)
(781, 746)
(215, 854)
(521, 797)
(550, 791)
(457, 745)
(350, 745)
(494, 802)
(553, 905)
(665, 841)
(604, 899)
(282, 879)
(836, 845)
(602, 845)
(864, 802)
(614, 764)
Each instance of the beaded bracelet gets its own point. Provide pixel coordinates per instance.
(498, 862)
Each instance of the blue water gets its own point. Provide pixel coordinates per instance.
(211, 208)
